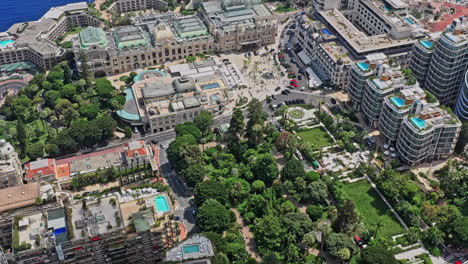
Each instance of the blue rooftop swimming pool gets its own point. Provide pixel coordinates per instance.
(191, 249)
(363, 66)
(427, 44)
(326, 31)
(161, 203)
(4, 43)
(210, 86)
(388, 7)
(399, 102)
(418, 122)
(409, 21)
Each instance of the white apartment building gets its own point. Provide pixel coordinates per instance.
(10, 166)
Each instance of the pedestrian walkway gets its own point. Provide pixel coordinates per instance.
(248, 236)
(314, 94)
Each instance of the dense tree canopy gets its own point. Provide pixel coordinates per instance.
(213, 216)
(210, 189)
(293, 169)
(377, 254)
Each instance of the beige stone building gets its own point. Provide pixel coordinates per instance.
(152, 40)
(239, 24)
(124, 6)
(35, 41)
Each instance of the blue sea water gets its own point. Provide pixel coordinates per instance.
(15, 11)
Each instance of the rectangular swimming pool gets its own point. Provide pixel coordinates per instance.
(363, 66)
(326, 32)
(399, 102)
(210, 86)
(4, 43)
(161, 203)
(409, 21)
(191, 249)
(418, 122)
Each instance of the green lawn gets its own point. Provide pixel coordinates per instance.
(316, 136)
(283, 9)
(372, 209)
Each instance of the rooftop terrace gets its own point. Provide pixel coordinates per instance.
(360, 42)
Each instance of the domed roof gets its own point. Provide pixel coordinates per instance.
(340, 62)
(184, 85)
(163, 33)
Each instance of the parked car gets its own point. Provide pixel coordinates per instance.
(333, 100)
(299, 77)
(294, 85)
(277, 89)
(359, 241)
(177, 218)
(294, 81)
(273, 97)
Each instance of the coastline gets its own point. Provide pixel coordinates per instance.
(15, 11)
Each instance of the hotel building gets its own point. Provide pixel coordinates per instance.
(239, 24)
(440, 63)
(350, 31)
(421, 131)
(461, 109)
(371, 81)
(159, 102)
(35, 41)
(429, 134)
(152, 40)
(124, 6)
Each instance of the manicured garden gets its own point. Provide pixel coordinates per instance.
(372, 209)
(317, 136)
(296, 113)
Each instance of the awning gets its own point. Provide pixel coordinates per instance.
(314, 80)
(304, 57)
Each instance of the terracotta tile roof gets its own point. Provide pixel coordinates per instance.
(447, 19)
(40, 168)
(63, 170)
(136, 148)
(18, 196)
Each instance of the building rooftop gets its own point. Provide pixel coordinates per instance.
(56, 12)
(189, 27)
(227, 14)
(92, 36)
(157, 88)
(39, 168)
(18, 196)
(143, 220)
(356, 39)
(130, 36)
(433, 116)
(194, 247)
(92, 161)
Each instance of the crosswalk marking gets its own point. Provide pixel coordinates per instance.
(183, 208)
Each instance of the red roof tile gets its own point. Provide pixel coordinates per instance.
(40, 168)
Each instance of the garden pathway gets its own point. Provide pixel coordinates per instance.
(248, 236)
